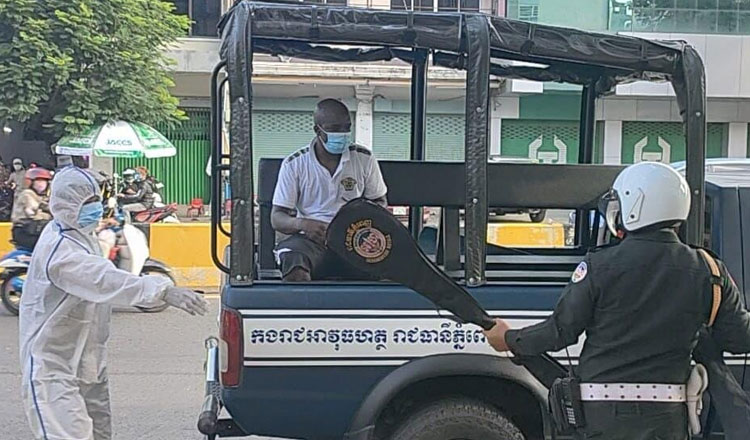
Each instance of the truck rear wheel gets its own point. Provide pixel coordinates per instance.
(457, 419)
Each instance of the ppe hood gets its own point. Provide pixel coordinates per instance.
(71, 187)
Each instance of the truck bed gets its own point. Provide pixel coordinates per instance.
(312, 352)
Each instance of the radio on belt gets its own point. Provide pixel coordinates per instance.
(565, 404)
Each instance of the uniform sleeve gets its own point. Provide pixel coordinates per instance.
(731, 329)
(286, 193)
(94, 278)
(374, 185)
(569, 319)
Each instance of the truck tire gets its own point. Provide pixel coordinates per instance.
(457, 418)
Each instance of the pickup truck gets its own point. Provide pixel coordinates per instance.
(337, 360)
(332, 360)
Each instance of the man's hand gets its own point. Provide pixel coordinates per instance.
(314, 230)
(496, 335)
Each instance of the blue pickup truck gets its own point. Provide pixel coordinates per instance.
(374, 360)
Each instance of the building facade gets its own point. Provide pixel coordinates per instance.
(639, 121)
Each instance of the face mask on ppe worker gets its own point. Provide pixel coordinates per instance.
(90, 214)
(337, 142)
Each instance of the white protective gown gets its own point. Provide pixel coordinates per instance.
(65, 317)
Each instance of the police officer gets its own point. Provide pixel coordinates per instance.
(641, 304)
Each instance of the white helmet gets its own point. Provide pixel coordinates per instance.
(646, 194)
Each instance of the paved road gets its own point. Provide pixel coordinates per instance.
(156, 374)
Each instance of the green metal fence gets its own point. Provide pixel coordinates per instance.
(184, 175)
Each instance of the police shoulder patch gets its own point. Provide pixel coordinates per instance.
(580, 273)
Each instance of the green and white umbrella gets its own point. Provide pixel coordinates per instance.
(118, 139)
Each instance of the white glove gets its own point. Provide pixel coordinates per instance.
(186, 300)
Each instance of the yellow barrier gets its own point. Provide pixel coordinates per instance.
(186, 248)
(526, 234)
(5, 236)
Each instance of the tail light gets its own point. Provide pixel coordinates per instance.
(231, 351)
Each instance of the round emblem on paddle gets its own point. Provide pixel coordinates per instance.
(368, 242)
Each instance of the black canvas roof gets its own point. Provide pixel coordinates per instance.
(568, 55)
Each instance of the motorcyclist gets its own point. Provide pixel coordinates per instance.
(31, 210)
(156, 185)
(16, 178)
(129, 185)
(141, 199)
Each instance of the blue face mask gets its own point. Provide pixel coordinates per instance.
(337, 142)
(90, 214)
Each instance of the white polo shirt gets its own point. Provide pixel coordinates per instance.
(306, 185)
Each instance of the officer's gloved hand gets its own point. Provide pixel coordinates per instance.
(186, 300)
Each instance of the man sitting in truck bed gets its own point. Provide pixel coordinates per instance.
(316, 181)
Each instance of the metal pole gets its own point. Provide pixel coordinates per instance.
(586, 155)
(477, 36)
(695, 133)
(215, 132)
(418, 122)
(239, 56)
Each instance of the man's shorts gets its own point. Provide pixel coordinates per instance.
(320, 262)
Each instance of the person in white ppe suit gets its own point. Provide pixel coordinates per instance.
(65, 315)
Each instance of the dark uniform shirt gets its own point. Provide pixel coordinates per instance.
(641, 304)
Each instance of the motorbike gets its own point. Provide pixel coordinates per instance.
(129, 251)
(159, 213)
(14, 266)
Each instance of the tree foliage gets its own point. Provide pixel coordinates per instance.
(68, 64)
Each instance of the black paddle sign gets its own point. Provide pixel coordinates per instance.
(372, 240)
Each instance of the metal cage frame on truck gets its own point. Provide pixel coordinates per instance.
(479, 44)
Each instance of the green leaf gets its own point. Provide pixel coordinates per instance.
(70, 64)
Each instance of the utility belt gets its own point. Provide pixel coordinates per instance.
(568, 394)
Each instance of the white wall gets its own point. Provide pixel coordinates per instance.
(727, 62)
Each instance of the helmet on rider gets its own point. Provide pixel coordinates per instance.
(38, 179)
(128, 176)
(646, 194)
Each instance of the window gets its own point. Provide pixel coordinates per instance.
(699, 16)
(442, 5)
(458, 5)
(528, 13)
(204, 15)
(412, 5)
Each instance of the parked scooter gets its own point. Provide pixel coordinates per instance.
(14, 266)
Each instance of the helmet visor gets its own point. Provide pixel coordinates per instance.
(609, 206)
